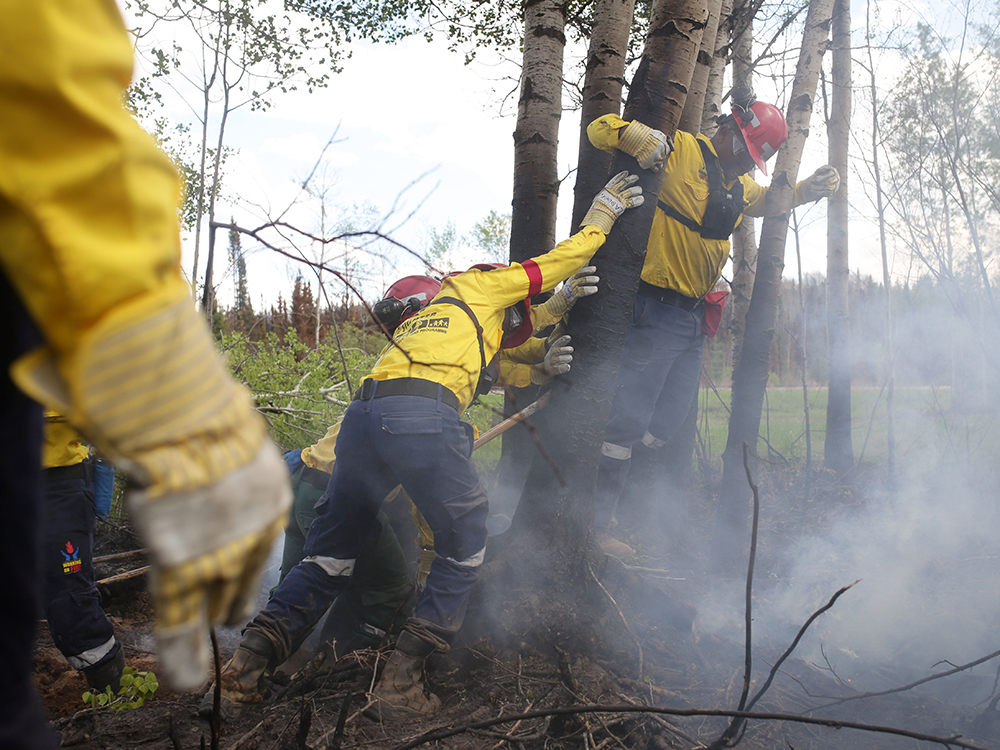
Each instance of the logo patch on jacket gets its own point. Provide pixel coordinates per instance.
(72, 563)
(422, 322)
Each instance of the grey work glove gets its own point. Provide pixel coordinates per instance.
(580, 284)
(557, 361)
(649, 147)
(820, 184)
(620, 193)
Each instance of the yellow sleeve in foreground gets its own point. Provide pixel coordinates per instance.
(88, 203)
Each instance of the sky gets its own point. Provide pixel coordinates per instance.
(425, 140)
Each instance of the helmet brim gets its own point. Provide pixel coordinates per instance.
(752, 149)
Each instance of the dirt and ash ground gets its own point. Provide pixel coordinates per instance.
(681, 668)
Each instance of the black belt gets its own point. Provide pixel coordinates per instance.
(405, 387)
(669, 296)
(76, 471)
(315, 477)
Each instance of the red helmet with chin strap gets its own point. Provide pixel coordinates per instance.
(517, 326)
(764, 130)
(404, 299)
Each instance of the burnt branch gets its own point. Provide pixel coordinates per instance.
(440, 734)
(729, 735)
(912, 685)
(628, 628)
(216, 692)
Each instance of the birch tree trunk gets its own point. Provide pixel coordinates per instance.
(750, 376)
(538, 585)
(720, 56)
(602, 95)
(744, 240)
(695, 102)
(536, 136)
(838, 449)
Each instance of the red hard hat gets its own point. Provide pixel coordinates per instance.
(523, 330)
(415, 292)
(764, 130)
(422, 287)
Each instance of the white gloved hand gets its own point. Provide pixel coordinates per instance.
(620, 193)
(557, 361)
(820, 184)
(649, 147)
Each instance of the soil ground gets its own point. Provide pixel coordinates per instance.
(682, 667)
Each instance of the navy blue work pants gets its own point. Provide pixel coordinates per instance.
(22, 719)
(79, 627)
(414, 441)
(657, 383)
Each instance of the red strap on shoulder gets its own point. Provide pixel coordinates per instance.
(534, 277)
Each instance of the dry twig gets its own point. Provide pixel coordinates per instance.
(912, 685)
(443, 733)
(638, 644)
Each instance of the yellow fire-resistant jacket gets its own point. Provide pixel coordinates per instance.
(63, 445)
(677, 257)
(440, 344)
(88, 194)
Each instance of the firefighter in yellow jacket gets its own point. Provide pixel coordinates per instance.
(404, 427)
(705, 193)
(99, 325)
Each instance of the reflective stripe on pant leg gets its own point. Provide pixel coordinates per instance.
(617, 452)
(332, 566)
(92, 656)
(652, 442)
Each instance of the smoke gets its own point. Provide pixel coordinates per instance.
(926, 560)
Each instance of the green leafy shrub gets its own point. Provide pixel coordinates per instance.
(136, 688)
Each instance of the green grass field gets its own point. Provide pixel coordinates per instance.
(924, 420)
(925, 425)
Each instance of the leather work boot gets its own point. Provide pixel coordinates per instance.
(241, 677)
(401, 692)
(613, 548)
(108, 674)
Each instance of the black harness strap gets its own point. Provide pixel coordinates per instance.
(724, 206)
(486, 377)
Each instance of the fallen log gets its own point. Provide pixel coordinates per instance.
(123, 576)
(119, 556)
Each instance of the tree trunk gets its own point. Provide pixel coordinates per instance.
(602, 95)
(713, 91)
(536, 136)
(536, 192)
(542, 583)
(744, 240)
(694, 105)
(750, 376)
(838, 449)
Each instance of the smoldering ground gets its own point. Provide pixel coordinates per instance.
(924, 549)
